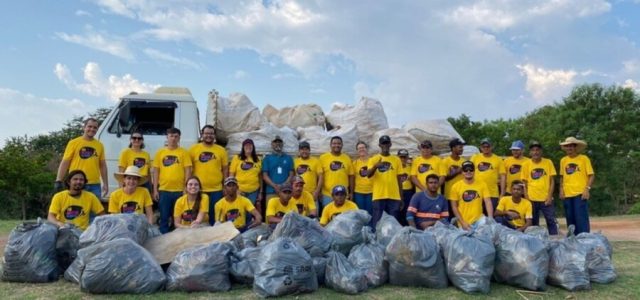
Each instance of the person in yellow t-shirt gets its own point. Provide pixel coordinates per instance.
(384, 171)
(338, 205)
(86, 153)
(310, 169)
(135, 155)
(337, 169)
(450, 168)
(425, 164)
(467, 198)
(363, 189)
(304, 200)
(131, 198)
(538, 175)
(515, 211)
(246, 167)
(407, 187)
(211, 165)
(490, 170)
(171, 168)
(513, 164)
(191, 209)
(236, 208)
(74, 204)
(279, 206)
(577, 176)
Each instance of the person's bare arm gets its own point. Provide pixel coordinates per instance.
(489, 206)
(266, 179)
(503, 184)
(417, 183)
(105, 178)
(316, 193)
(51, 217)
(198, 220)
(526, 224)
(586, 194)
(148, 211)
(456, 213)
(155, 174)
(62, 169)
(257, 218)
(549, 199)
(561, 189)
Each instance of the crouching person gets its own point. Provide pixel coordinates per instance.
(467, 197)
(279, 206)
(338, 205)
(235, 208)
(74, 204)
(427, 207)
(515, 211)
(191, 209)
(131, 198)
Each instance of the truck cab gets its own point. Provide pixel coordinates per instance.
(152, 114)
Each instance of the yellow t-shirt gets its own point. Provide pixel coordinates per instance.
(207, 165)
(337, 170)
(309, 169)
(247, 172)
(75, 210)
(385, 179)
(513, 167)
(235, 211)
(329, 212)
(129, 157)
(305, 203)
(362, 181)
(450, 166)
(523, 208)
(171, 165)
(422, 167)
(276, 209)
(488, 170)
(575, 174)
(86, 156)
(184, 210)
(404, 177)
(537, 176)
(120, 202)
(470, 198)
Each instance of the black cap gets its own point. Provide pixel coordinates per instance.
(277, 139)
(535, 144)
(426, 144)
(304, 144)
(339, 189)
(455, 142)
(286, 187)
(468, 165)
(384, 139)
(403, 153)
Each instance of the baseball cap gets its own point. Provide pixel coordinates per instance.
(277, 139)
(517, 145)
(535, 144)
(485, 141)
(304, 144)
(467, 165)
(426, 144)
(247, 141)
(403, 152)
(456, 142)
(230, 180)
(286, 187)
(339, 189)
(384, 139)
(297, 179)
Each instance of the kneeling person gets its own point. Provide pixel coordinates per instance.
(131, 198)
(233, 207)
(427, 207)
(515, 211)
(467, 198)
(304, 200)
(280, 206)
(338, 205)
(74, 204)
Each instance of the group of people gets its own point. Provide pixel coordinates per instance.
(200, 186)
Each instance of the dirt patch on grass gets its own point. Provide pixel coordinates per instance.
(618, 230)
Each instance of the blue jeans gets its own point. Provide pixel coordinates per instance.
(95, 189)
(549, 213)
(364, 202)
(504, 221)
(406, 200)
(494, 202)
(253, 196)
(166, 204)
(214, 197)
(576, 211)
(392, 207)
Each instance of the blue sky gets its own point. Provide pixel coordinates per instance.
(422, 59)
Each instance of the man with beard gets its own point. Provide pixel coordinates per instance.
(277, 169)
(427, 207)
(538, 175)
(513, 164)
(235, 208)
(337, 169)
(576, 180)
(309, 169)
(280, 206)
(74, 204)
(384, 170)
(131, 198)
(467, 198)
(210, 164)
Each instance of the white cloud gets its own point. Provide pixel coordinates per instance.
(101, 42)
(545, 85)
(95, 84)
(82, 13)
(240, 74)
(631, 66)
(27, 114)
(174, 60)
(630, 83)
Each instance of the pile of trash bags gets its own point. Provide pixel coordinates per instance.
(369, 257)
(308, 233)
(415, 260)
(111, 227)
(30, 254)
(342, 276)
(346, 229)
(200, 269)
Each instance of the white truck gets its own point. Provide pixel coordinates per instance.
(152, 114)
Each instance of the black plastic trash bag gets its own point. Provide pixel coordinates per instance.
(255, 235)
(470, 260)
(568, 264)
(521, 260)
(200, 269)
(369, 257)
(305, 231)
(244, 264)
(284, 268)
(415, 260)
(320, 265)
(342, 276)
(117, 266)
(386, 228)
(347, 229)
(111, 227)
(67, 245)
(30, 254)
(599, 262)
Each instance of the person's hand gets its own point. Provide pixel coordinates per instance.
(316, 194)
(156, 195)
(58, 186)
(548, 201)
(465, 226)
(195, 224)
(259, 204)
(561, 195)
(378, 164)
(105, 190)
(513, 215)
(586, 195)
(277, 188)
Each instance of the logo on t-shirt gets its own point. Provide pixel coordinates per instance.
(232, 214)
(571, 168)
(404, 177)
(246, 165)
(301, 169)
(169, 160)
(139, 162)
(363, 172)
(537, 173)
(514, 169)
(484, 166)
(72, 212)
(334, 215)
(335, 165)
(453, 169)
(206, 156)
(188, 215)
(423, 168)
(469, 195)
(300, 208)
(385, 166)
(129, 207)
(280, 214)
(86, 152)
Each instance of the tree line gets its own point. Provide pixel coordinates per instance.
(607, 118)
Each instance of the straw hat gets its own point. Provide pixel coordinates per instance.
(580, 144)
(131, 171)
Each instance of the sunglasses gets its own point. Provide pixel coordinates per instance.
(467, 170)
(138, 138)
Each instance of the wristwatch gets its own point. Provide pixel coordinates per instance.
(588, 188)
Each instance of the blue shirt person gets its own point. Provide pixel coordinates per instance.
(428, 207)
(277, 168)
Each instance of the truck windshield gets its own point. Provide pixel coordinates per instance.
(148, 117)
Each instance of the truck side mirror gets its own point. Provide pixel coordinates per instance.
(123, 117)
